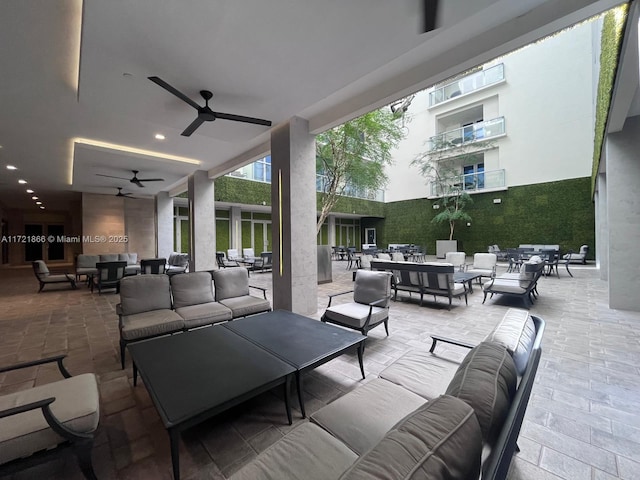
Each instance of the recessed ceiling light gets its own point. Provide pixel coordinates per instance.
(38, 203)
(29, 190)
(159, 136)
(22, 182)
(11, 167)
(34, 198)
(42, 207)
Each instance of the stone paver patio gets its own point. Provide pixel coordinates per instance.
(583, 420)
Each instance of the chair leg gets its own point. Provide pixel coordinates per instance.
(122, 346)
(83, 453)
(386, 326)
(41, 286)
(485, 297)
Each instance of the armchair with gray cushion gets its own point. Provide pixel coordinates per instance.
(522, 284)
(153, 265)
(232, 291)
(39, 423)
(193, 300)
(223, 262)
(457, 259)
(177, 263)
(370, 306)
(580, 257)
(263, 262)
(108, 276)
(484, 264)
(144, 310)
(45, 277)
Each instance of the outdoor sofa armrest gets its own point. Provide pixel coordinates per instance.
(264, 290)
(377, 302)
(336, 294)
(42, 361)
(119, 309)
(437, 338)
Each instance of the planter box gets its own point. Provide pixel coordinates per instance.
(324, 264)
(444, 246)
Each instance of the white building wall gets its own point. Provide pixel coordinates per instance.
(546, 101)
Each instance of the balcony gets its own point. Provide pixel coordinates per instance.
(374, 195)
(468, 134)
(471, 183)
(466, 85)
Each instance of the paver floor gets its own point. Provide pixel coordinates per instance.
(583, 420)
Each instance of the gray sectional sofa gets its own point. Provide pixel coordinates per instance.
(153, 305)
(86, 264)
(426, 416)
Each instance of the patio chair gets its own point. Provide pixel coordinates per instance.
(193, 300)
(370, 306)
(484, 264)
(263, 262)
(551, 259)
(457, 259)
(352, 259)
(153, 265)
(45, 277)
(223, 262)
(39, 423)
(232, 291)
(523, 284)
(580, 257)
(232, 254)
(177, 263)
(248, 255)
(108, 276)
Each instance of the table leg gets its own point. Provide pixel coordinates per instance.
(300, 397)
(174, 439)
(360, 352)
(135, 374)
(471, 286)
(287, 399)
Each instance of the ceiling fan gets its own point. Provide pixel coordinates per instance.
(429, 14)
(135, 180)
(205, 114)
(126, 195)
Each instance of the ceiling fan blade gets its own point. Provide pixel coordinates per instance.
(110, 176)
(177, 93)
(135, 181)
(151, 179)
(240, 118)
(192, 128)
(429, 14)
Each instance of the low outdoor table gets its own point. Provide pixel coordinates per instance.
(464, 277)
(195, 375)
(300, 341)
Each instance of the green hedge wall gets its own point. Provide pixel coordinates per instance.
(548, 213)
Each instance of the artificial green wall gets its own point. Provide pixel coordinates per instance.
(547, 213)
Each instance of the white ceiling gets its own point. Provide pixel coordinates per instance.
(324, 60)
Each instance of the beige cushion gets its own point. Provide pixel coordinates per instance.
(76, 406)
(516, 332)
(504, 286)
(484, 261)
(150, 324)
(55, 278)
(307, 452)
(191, 289)
(108, 257)
(246, 305)
(355, 314)
(232, 282)
(372, 286)
(87, 261)
(144, 293)
(204, 314)
(362, 417)
(42, 267)
(457, 259)
(486, 380)
(421, 372)
(439, 441)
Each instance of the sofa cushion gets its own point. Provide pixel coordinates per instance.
(150, 324)
(486, 380)
(108, 257)
(130, 258)
(191, 289)
(231, 282)
(204, 314)
(143, 293)
(87, 261)
(421, 372)
(76, 406)
(306, 452)
(355, 314)
(441, 440)
(516, 332)
(372, 286)
(362, 417)
(505, 285)
(246, 305)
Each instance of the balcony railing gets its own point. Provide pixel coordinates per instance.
(468, 134)
(349, 191)
(467, 84)
(470, 183)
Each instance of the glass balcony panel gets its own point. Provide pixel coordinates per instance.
(470, 182)
(467, 134)
(467, 84)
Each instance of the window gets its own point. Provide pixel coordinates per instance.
(473, 176)
(262, 169)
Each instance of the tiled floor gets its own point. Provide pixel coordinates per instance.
(583, 420)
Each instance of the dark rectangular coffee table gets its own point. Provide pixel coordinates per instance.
(464, 277)
(300, 341)
(195, 375)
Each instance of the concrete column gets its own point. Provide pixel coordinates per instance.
(164, 224)
(331, 234)
(602, 227)
(202, 222)
(235, 239)
(293, 200)
(623, 213)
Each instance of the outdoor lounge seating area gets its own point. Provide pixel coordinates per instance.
(235, 439)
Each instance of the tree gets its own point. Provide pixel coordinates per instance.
(441, 165)
(352, 156)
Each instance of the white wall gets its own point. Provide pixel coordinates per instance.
(547, 102)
